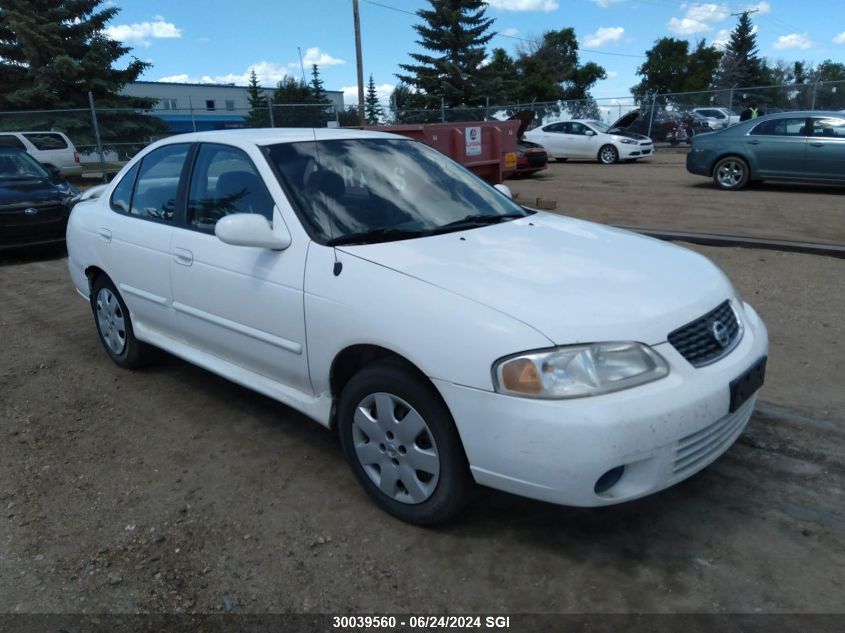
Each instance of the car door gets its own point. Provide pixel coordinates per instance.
(826, 148)
(580, 142)
(135, 237)
(240, 304)
(778, 147)
(552, 138)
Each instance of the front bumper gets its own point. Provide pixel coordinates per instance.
(635, 151)
(699, 161)
(662, 432)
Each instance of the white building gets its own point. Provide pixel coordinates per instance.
(201, 107)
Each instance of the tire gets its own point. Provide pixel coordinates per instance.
(114, 326)
(561, 160)
(428, 479)
(608, 155)
(731, 173)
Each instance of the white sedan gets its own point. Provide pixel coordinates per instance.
(590, 139)
(448, 335)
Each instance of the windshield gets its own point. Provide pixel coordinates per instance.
(20, 166)
(598, 126)
(392, 189)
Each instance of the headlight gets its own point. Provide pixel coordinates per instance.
(578, 370)
(629, 141)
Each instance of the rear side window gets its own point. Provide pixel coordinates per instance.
(781, 127)
(225, 181)
(158, 182)
(829, 127)
(121, 197)
(44, 141)
(9, 140)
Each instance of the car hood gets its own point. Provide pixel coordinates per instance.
(573, 281)
(30, 193)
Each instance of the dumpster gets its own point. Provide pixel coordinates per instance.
(486, 148)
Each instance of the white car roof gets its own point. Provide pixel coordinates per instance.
(271, 136)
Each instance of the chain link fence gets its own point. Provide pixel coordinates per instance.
(106, 138)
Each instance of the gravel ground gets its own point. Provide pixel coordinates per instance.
(660, 193)
(171, 490)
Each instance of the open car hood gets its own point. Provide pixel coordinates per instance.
(525, 117)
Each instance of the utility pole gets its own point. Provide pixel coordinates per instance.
(301, 65)
(357, 20)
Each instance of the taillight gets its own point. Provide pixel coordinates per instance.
(76, 157)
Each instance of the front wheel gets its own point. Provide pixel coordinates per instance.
(608, 155)
(731, 173)
(402, 445)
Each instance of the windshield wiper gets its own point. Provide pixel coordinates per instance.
(478, 219)
(383, 234)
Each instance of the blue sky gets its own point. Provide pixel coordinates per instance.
(219, 41)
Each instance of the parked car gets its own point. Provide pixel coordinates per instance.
(717, 118)
(34, 203)
(794, 146)
(530, 157)
(447, 334)
(51, 149)
(661, 126)
(590, 139)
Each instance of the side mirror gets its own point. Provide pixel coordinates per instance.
(504, 190)
(252, 229)
(590, 133)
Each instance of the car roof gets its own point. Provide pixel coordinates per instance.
(32, 132)
(272, 136)
(5, 149)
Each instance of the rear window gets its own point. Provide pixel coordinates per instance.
(44, 141)
(7, 140)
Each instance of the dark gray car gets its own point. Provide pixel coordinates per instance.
(790, 146)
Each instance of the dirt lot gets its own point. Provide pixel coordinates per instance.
(170, 489)
(660, 193)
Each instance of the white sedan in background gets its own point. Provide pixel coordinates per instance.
(448, 335)
(590, 139)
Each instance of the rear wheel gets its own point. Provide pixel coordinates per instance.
(608, 155)
(731, 173)
(402, 445)
(114, 326)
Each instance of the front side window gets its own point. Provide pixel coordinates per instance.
(781, 127)
(9, 140)
(225, 181)
(386, 188)
(829, 127)
(158, 182)
(45, 141)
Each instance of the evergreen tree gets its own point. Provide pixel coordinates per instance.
(348, 117)
(291, 100)
(499, 78)
(741, 64)
(454, 32)
(373, 112)
(52, 53)
(258, 115)
(319, 97)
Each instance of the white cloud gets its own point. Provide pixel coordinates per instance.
(524, 5)
(839, 39)
(350, 93)
(268, 73)
(762, 8)
(510, 32)
(141, 33)
(698, 18)
(722, 38)
(604, 35)
(606, 3)
(794, 40)
(611, 74)
(314, 55)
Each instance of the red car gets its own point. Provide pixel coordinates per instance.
(530, 157)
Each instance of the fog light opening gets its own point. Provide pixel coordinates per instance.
(609, 479)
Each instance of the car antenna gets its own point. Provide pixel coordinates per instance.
(338, 265)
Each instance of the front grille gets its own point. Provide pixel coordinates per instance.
(536, 159)
(708, 338)
(698, 449)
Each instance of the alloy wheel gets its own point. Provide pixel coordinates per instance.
(110, 320)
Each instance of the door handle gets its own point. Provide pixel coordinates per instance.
(183, 256)
(817, 144)
(105, 234)
(753, 142)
